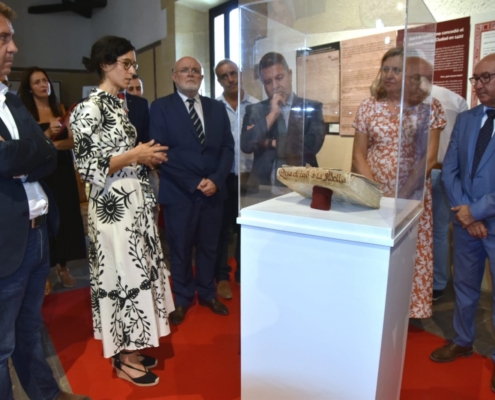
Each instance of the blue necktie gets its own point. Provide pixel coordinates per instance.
(484, 138)
(196, 121)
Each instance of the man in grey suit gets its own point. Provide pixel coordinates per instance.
(284, 129)
(28, 213)
(467, 174)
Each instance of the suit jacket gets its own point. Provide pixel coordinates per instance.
(305, 119)
(139, 115)
(477, 192)
(188, 160)
(32, 155)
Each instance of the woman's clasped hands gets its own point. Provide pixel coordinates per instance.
(55, 128)
(151, 154)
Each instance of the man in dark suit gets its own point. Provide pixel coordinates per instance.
(26, 156)
(283, 129)
(136, 86)
(468, 177)
(192, 183)
(138, 111)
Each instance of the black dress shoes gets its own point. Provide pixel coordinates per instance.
(215, 306)
(177, 317)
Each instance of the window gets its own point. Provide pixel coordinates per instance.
(224, 39)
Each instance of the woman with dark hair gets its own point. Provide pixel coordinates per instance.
(398, 158)
(130, 290)
(36, 92)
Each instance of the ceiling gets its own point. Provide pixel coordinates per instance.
(201, 5)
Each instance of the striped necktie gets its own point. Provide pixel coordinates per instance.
(196, 121)
(484, 138)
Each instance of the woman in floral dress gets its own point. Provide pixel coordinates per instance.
(130, 290)
(377, 152)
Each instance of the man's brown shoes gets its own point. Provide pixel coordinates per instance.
(224, 290)
(449, 352)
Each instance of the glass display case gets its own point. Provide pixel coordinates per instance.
(317, 68)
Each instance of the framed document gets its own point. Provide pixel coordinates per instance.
(318, 78)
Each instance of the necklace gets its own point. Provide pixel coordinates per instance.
(393, 108)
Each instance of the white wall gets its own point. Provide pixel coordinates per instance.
(49, 40)
(141, 21)
(60, 40)
(444, 10)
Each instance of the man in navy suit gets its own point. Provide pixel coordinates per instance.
(468, 176)
(135, 86)
(284, 129)
(192, 183)
(138, 111)
(28, 212)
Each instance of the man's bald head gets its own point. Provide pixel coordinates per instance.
(485, 69)
(187, 76)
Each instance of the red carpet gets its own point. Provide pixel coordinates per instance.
(202, 360)
(202, 355)
(467, 378)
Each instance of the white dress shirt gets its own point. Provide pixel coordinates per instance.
(242, 162)
(37, 199)
(452, 104)
(485, 117)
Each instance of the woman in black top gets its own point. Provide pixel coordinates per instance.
(36, 92)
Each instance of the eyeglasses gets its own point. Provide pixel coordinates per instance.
(128, 64)
(484, 78)
(416, 78)
(6, 38)
(187, 71)
(396, 71)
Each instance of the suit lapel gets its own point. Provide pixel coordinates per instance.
(183, 115)
(490, 149)
(4, 131)
(473, 132)
(206, 105)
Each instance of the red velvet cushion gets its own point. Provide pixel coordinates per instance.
(322, 198)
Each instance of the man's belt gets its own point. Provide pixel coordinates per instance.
(37, 221)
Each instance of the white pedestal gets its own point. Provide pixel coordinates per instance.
(325, 300)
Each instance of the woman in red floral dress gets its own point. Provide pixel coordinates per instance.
(378, 149)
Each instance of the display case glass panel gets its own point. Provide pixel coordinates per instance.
(317, 68)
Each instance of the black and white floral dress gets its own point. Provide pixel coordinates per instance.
(130, 289)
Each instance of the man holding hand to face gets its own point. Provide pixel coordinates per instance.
(284, 129)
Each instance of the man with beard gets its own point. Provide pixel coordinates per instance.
(192, 184)
(284, 129)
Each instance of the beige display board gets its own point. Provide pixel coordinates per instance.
(318, 78)
(360, 62)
